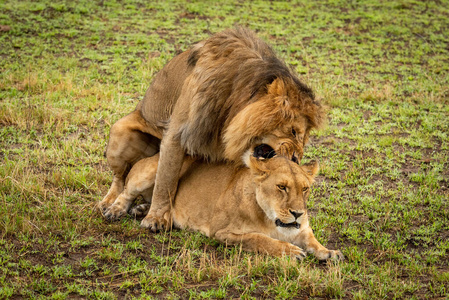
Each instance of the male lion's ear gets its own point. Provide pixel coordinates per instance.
(278, 91)
(277, 88)
(312, 168)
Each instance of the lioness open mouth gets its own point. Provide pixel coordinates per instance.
(279, 223)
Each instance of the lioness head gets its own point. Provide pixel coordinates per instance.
(282, 189)
(279, 122)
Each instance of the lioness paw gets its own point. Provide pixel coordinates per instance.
(108, 200)
(114, 213)
(296, 252)
(140, 211)
(335, 255)
(102, 206)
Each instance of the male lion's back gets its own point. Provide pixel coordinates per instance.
(160, 98)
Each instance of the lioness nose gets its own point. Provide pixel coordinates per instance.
(296, 214)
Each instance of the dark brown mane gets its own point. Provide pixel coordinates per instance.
(232, 70)
(256, 75)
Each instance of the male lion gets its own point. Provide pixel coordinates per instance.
(220, 100)
(263, 206)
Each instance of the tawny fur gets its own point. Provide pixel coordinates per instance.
(215, 101)
(237, 206)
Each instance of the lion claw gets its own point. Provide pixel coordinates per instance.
(296, 252)
(336, 255)
(300, 254)
(102, 207)
(139, 211)
(113, 213)
(330, 255)
(154, 224)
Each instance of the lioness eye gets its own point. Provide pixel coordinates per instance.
(281, 187)
(305, 189)
(293, 132)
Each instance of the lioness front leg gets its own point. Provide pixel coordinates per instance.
(121, 206)
(140, 181)
(167, 176)
(258, 242)
(306, 240)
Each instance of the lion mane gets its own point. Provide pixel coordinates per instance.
(245, 91)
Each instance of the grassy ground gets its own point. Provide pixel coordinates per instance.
(70, 69)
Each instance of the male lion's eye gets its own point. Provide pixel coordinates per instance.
(305, 189)
(281, 187)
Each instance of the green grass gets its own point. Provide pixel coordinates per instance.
(70, 69)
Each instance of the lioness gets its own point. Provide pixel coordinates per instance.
(222, 99)
(263, 206)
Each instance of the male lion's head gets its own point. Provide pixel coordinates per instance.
(279, 122)
(282, 189)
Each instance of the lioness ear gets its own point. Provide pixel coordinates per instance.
(257, 167)
(312, 168)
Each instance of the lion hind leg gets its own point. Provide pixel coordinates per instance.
(129, 141)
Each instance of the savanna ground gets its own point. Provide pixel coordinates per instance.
(70, 69)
